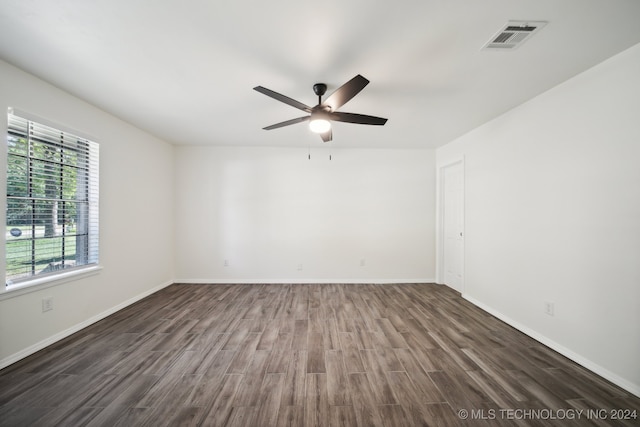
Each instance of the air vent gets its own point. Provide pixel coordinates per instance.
(513, 34)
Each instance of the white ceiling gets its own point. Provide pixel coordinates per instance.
(184, 70)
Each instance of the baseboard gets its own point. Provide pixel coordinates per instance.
(593, 367)
(9, 360)
(304, 281)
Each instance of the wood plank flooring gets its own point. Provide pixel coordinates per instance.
(304, 355)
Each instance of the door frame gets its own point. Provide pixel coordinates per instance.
(440, 204)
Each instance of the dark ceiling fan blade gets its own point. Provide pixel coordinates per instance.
(282, 98)
(344, 93)
(327, 136)
(362, 119)
(287, 123)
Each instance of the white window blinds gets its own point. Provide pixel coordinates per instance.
(52, 201)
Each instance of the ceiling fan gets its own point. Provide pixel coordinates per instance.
(321, 115)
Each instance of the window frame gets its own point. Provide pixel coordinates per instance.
(86, 207)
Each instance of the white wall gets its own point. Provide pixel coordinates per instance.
(553, 214)
(136, 219)
(269, 210)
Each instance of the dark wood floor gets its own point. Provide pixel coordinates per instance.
(304, 355)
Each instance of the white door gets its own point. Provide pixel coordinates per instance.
(453, 222)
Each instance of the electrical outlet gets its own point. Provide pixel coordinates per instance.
(47, 304)
(549, 308)
(226, 263)
(299, 267)
(363, 262)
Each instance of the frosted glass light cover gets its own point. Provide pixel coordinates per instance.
(319, 125)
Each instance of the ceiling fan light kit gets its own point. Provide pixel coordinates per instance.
(321, 115)
(319, 125)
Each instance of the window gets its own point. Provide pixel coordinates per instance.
(52, 201)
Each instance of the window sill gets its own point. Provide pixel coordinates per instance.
(48, 282)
